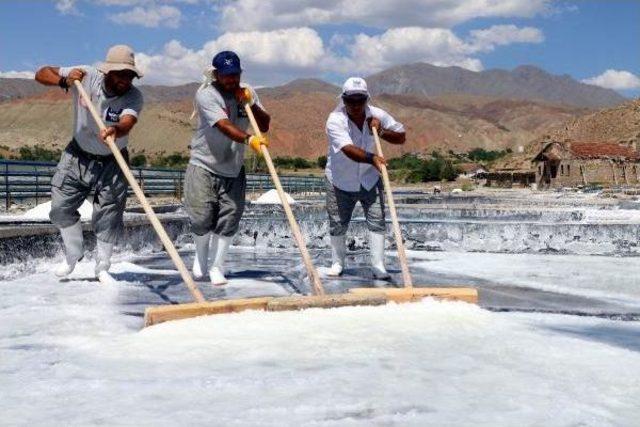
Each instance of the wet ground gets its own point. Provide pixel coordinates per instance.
(554, 339)
(280, 272)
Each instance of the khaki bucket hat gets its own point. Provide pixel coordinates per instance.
(120, 57)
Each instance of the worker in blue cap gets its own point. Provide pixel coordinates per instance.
(215, 179)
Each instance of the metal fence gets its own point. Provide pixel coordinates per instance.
(26, 180)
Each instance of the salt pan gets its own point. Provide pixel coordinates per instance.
(271, 198)
(42, 211)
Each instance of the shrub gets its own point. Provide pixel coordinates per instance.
(37, 152)
(172, 161)
(292, 163)
(322, 162)
(139, 161)
(482, 155)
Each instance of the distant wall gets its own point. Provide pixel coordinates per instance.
(573, 172)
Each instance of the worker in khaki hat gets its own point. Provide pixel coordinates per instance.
(353, 171)
(87, 166)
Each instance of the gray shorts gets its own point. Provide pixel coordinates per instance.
(214, 203)
(79, 175)
(340, 205)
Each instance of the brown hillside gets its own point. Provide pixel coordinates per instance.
(612, 125)
(457, 123)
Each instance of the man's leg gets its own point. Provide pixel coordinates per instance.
(108, 209)
(231, 200)
(373, 205)
(201, 206)
(68, 191)
(340, 205)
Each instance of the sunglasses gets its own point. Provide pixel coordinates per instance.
(355, 100)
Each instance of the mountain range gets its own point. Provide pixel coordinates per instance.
(524, 82)
(443, 108)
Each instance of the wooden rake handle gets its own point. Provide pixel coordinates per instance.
(297, 234)
(404, 266)
(155, 222)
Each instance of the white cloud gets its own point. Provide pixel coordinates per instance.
(500, 35)
(615, 79)
(438, 46)
(67, 7)
(151, 16)
(17, 74)
(269, 57)
(276, 56)
(270, 14)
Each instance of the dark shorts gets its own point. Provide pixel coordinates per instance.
(214, 203)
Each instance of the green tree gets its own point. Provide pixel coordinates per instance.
(448, 172)
(138, 161)
(322, 162)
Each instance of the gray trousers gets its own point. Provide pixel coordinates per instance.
(340, 205)
(214, 203)
(79, 175)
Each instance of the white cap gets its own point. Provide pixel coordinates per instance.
(355, 86)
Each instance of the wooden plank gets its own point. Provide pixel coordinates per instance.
(417, 293)
(163, 313)
(324, 301)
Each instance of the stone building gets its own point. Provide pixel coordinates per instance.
(572, 163)
(470, 170)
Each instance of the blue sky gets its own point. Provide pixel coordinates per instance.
(595, 41)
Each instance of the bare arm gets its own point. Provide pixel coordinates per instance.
(48, 76)
(232, 131)
(357, 154)
(245, 95)
(393, 137)
(120, 129)
(390, 136)
(262, 118)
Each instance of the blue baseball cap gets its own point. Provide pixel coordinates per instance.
(226, 62)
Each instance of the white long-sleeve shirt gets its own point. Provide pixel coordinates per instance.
(341, 171)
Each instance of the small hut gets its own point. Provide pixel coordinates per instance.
(573, 163)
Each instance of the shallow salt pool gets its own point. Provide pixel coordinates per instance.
(73, 352)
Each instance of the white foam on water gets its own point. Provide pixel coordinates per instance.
(612, 278)
(271, 197)
(42, 210)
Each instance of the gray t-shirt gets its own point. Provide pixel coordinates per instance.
(85, 129)
(211, 149)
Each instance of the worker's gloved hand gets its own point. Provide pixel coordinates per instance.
(255, 143)
(244, 96)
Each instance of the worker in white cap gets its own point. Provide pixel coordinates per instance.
(353, 171)
(87, 166)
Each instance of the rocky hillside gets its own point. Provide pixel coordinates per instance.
(620, 123)
(299, 111)
(617, 124)
(524, 82)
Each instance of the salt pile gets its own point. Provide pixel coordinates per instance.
(271, 198)
(42, 210)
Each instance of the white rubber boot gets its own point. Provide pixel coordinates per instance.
(201, 260)
(376, 248)
(338, 252)
(73, 251)
(103, 259)
(220, 246)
